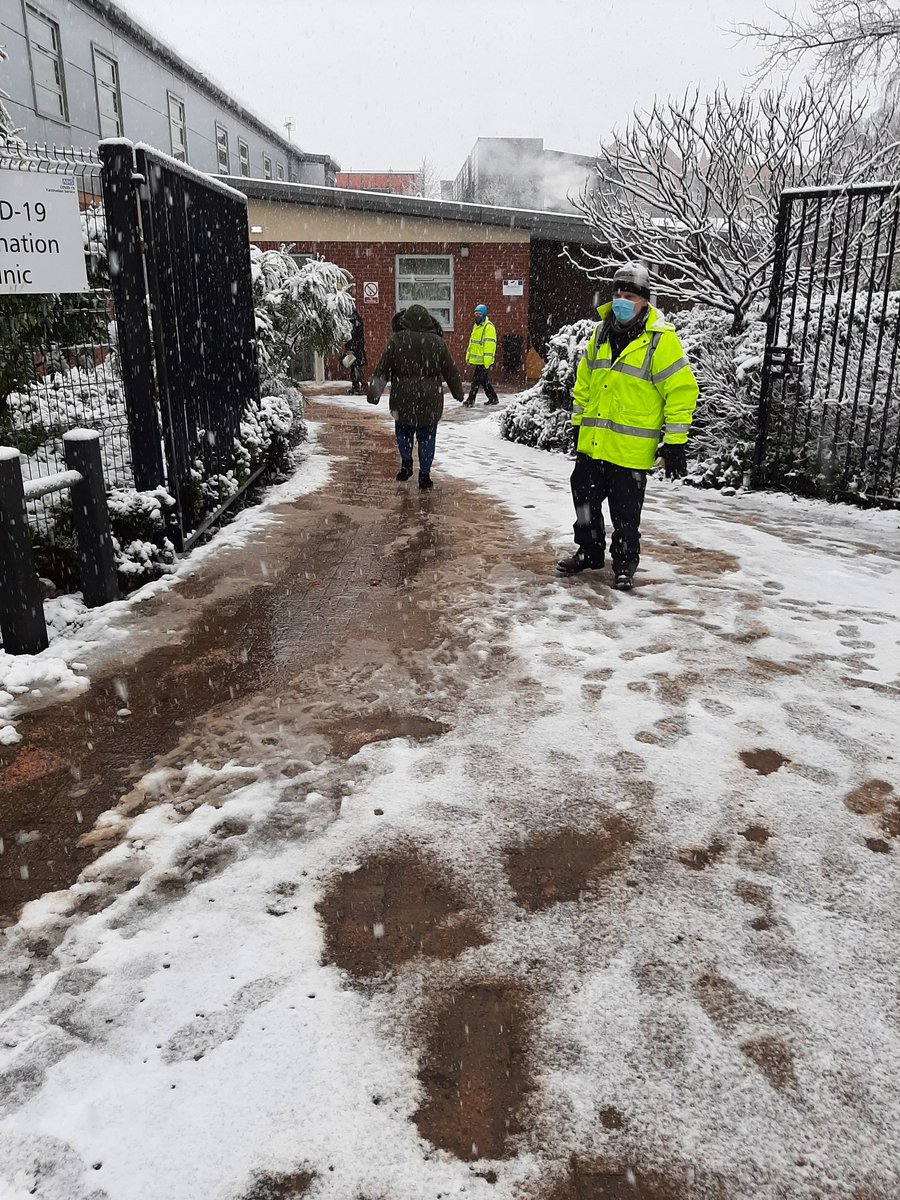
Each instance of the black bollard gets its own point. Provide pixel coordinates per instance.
(21, 605)
(90, 516)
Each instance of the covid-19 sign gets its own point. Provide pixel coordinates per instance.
(41, 243)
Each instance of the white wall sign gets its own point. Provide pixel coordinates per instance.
(370, 293)
(513, 287)
(41, 246)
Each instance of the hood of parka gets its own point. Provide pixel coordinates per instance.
(417, 319)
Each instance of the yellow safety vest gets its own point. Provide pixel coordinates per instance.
(624, 408)
(482, 345)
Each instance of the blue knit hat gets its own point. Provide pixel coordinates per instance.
(481, 308)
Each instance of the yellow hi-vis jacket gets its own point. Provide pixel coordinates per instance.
(623, 409)
(482, 344)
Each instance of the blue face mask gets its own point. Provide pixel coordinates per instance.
(623, 310)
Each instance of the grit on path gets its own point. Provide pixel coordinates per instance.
(421, 872)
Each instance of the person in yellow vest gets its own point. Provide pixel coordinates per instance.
(634, 399)
(481, 354)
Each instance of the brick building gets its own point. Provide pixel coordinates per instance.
(402, 250)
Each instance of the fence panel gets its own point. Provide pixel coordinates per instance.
(829, 417)
(197, 249)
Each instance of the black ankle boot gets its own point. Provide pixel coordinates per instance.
(574, 564)
(425, 482)
(405, 471)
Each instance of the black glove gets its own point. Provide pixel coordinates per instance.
(675, 459)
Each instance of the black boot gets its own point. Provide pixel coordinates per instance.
(623, 582)
(573, 564)
(405, 471)
(425, 482)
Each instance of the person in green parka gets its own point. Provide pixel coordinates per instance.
(416, 363)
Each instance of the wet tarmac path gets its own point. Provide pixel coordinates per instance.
(337, 566)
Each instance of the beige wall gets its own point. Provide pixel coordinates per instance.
(311, 223)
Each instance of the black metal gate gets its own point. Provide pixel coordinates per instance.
(180, 276)
(829, 418)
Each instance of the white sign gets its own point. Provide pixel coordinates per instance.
(513, 287)
(370, 293)
(41, 246)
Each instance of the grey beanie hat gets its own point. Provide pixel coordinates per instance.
(634, 278)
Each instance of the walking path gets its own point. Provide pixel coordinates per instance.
(424, 873)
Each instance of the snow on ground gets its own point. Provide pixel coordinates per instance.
(76, 632)
(738, 1010)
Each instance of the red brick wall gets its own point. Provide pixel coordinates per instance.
(478, 279)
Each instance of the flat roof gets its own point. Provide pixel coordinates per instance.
(143, 37)
(544, 226)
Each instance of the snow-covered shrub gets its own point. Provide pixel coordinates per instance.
(541, 416)
(306, 307)
(138, 519)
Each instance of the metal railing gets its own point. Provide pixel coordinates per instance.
(829, 417)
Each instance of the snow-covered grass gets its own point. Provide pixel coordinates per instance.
(185, 1037)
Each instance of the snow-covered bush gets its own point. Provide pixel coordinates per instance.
(306, 307)
(138, 519)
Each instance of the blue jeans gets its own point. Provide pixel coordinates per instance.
(425, 435)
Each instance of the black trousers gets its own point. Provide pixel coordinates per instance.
(594, 481)
(480, 378)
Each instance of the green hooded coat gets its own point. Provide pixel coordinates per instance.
(415, 362)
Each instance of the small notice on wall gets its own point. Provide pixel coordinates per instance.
(513, 287)
(41, 245)
(370, 293)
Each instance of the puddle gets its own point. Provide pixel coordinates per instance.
(554, 868)
(764, 762)
(604, 1181)
(391, 910)
(475, 1071)
(348, 734)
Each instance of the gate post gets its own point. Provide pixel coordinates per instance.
(129, 290)
(90, 515)
(21, 605)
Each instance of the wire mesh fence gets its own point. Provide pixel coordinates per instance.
(58, 354)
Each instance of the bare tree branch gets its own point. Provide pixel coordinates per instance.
(692, 187)
(848, 42)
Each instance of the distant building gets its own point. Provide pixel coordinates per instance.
(520, 173)
(395, 183)
(82, 70)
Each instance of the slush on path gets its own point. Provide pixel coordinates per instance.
(379, 861)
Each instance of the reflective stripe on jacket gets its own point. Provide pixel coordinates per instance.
(648, 394)
(482, 345)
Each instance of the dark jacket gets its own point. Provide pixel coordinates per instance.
(357, 342)
(415, 362)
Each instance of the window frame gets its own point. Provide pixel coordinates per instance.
(267, 166)
(32, 10)
(222, 142)
(279, 172)
(422, 277)
(244, 157)
(172, 98)
(100, 52)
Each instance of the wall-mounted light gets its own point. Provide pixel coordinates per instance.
(464, 252)
(256, 228)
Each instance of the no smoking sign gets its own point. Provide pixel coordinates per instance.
(370, 293)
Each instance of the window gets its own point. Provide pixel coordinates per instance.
(244, 156)
(427, 281)
(293, 178)
(46, 65)
(267, 166)
(279, 171)
(177, 129)
(222, 156)
(109, 99)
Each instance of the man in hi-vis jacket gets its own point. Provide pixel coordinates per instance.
(634, 399)
(481, 354)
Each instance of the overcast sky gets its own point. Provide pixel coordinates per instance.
(383, 83)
